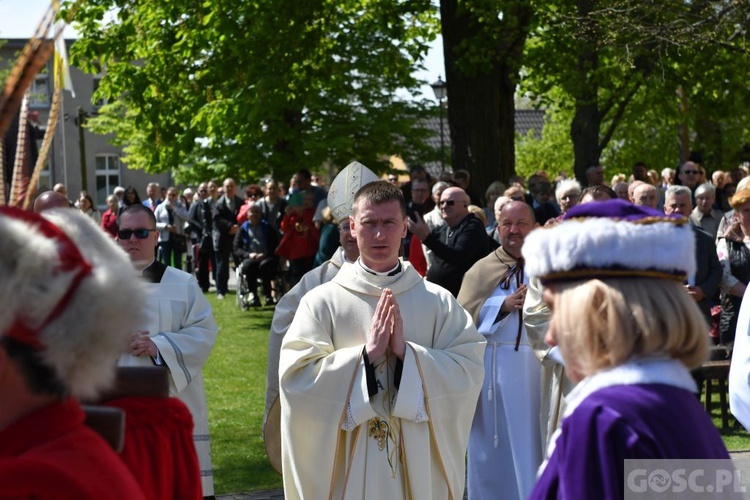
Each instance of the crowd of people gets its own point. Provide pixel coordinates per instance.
(426, 341)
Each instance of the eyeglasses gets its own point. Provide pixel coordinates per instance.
(203, 190)
(690, 172)
(140, 233)
(448, 203)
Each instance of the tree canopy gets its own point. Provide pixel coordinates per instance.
(244, 88)
(634, 73)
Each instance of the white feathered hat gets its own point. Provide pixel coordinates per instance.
(69, 292)
(611, 239)
(345, 186)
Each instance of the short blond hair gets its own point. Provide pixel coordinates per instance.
(600, 324)
(740, 198)
(479, 213)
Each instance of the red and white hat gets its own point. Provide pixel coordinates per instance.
(69, 292)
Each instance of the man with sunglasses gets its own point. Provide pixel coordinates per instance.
(689, 175)
(457, 244)
(505, 445)
(179, 331)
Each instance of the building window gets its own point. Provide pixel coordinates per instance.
(39, 92)
(107, 177)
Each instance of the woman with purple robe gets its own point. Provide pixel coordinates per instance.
(629, 334)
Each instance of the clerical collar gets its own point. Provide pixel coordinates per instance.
(154, 272)
(393, 272)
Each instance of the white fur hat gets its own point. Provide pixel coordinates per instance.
(69, 291)
(611, 239)
(345, 186)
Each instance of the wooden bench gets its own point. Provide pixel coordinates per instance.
(717, 371)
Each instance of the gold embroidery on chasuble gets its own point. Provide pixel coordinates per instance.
(385, 429)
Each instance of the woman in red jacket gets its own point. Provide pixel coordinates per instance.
(300, 241)
(109, 218)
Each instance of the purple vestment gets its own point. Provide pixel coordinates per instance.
(647, 421)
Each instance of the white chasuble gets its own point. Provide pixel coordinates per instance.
(405, 442)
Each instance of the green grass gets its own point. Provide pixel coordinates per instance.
(235, 387)
(735, 437)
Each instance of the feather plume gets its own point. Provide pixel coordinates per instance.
(34, 57)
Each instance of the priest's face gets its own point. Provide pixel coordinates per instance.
(379, 230)
(347, 241)
(140, 250)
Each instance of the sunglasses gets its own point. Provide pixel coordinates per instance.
(140, 233)
(448, 203)
(690, 172)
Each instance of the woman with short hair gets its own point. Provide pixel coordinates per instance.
(629, 335)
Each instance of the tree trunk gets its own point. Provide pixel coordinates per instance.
(481, 109)
(586, 125)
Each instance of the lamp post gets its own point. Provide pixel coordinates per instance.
(441, 92)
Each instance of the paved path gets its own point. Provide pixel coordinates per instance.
(277, 494)
(255, 495)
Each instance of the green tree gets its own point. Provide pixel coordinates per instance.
(244, 88)
(604, 56)
(552, 152)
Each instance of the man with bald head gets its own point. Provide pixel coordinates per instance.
(505, 446)
(704, 284)
(457, 244)
(645, 194)
(50, 199)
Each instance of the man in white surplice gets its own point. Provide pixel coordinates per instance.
(379, 374)
(505, 447)
(180, 329)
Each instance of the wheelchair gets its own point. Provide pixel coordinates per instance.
(247, 295)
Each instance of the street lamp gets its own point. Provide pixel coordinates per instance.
(441, 92)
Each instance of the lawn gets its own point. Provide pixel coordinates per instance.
(235, 384)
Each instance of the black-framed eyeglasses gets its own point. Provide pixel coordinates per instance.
(690, 172)
(141, 233)
(448, 203)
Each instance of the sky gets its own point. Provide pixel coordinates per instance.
(19, 19)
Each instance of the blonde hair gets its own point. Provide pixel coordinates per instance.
(740, 197)
(618, 178)
(479, 213)
(600, 324)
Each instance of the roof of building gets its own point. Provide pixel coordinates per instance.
(526, 119)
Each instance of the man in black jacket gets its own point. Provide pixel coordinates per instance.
(225, 226)
(201, 229)
(457, 244)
